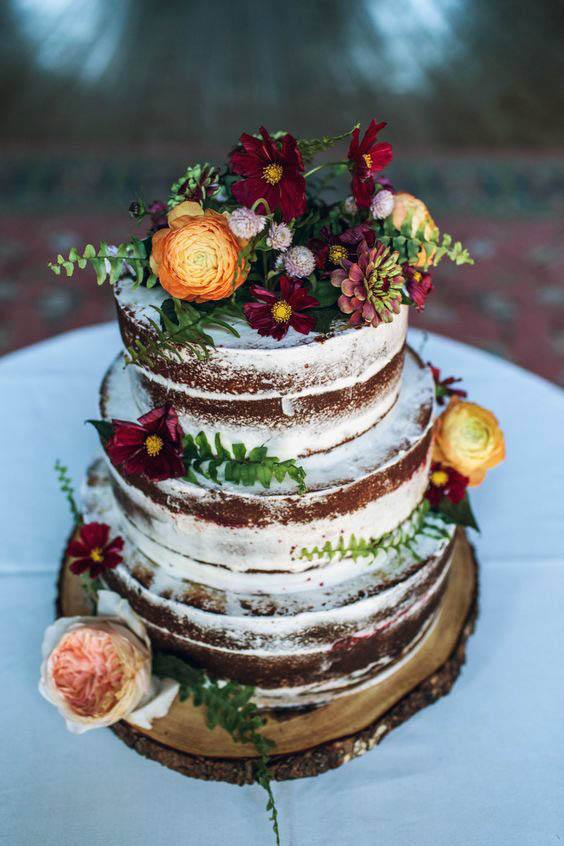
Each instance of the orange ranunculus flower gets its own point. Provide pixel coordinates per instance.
(468, 438)
(405, 204)
(196, 257)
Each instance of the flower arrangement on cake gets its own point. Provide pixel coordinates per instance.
(264, 320)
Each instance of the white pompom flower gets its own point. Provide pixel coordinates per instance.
(279, 236)
(382, 205)
(299, 262)
(244, 223)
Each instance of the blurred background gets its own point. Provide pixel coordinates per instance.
(104, 100)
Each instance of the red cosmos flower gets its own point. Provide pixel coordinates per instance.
(276, 312)
(446, 481)
(329, 248)
(419, 285)
(368, 157)
(152, 447)
(273, 170)
(93, 551)
(443, 387)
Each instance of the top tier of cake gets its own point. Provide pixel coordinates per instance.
(301, 395)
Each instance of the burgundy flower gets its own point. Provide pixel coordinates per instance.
(329, 249)
(368, 157)
(93, 551)
(443, 387)
(446, 481)
(419, 285)
(152, 447)
(273, 171)
(157, 211)
(277, 311)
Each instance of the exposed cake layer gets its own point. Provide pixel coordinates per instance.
(299, 640)
(369, 485)
(301, 394)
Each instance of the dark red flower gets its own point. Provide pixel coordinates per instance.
(152, 447)
(273, 171)
(443, 387)
(157, 212)
(93, 551)
(368, 157)
(329, 249)
(419, 285)
(276, 312)
(446, 481)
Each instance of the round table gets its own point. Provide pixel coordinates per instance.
(484, 765)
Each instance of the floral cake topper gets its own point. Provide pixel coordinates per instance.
(261, 239)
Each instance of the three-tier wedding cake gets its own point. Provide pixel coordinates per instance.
(277, 498)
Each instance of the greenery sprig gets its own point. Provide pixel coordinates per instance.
(239, 466)
(67, 488)
(196, 183)
(409, 244)
(421, 523)
(109, 262)
(228, 705)
(309, 147)
(182, 325)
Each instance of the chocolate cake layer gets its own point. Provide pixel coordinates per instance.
(289, 641)
(300, 395)
(370, 484)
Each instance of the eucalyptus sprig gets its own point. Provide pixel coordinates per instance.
(182, 325)
(422, 522)
(109, 262)
(228, 705)
(239, 466)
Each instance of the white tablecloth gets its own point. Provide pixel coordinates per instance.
(485, 765)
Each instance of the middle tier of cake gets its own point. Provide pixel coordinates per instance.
(365, 487)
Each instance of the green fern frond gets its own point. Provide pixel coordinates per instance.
(238, 465)
(228, 705)
(421, 522)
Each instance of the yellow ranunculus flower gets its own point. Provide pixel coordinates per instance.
(196, 257)
(468, 438)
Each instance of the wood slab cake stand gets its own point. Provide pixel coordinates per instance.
(311, 741)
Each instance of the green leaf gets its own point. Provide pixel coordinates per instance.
(459, 513)
(104, 428)
(239, 466)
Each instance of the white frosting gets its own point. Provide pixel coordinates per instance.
(271, 547)
(320, 581)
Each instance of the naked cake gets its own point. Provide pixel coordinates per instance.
(279, 487)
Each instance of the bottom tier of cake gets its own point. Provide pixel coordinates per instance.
(340, 626)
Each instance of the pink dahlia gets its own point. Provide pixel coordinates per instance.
(371, 286)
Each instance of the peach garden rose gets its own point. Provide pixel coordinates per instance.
(97, 670)
(197, 257)
(468, 438)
